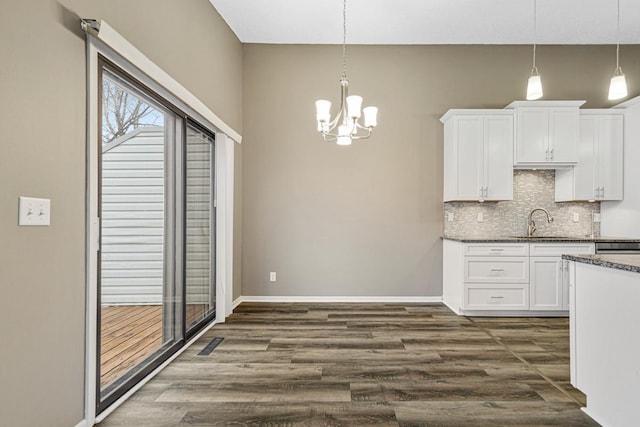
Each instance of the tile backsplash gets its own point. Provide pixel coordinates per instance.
(531, 189)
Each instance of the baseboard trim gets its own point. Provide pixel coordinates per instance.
(287, 298)
(236, 303)
(82, 423)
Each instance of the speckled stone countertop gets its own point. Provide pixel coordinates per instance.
(541, 239)
(618, 261)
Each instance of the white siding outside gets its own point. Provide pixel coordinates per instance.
(132, 214)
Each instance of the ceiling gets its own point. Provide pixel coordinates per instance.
(431, 21)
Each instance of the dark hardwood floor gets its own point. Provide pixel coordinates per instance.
(365, 364)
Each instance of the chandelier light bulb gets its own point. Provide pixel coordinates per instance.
(354, 104)
(344, 137)
(370, 117)
(323, 110)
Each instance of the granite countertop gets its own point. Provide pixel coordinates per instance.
(541, 239)
(616, 261)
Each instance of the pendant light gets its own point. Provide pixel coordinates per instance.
(534, 86)
(347, 121)
(618, 86)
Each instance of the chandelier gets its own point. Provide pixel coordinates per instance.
(347, 121)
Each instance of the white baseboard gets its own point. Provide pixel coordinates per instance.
(236, 303)
(82, 423)
(405, 300)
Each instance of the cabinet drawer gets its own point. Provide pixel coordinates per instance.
(557, 249)
(496, 249)
(496, 269)
(496, 297)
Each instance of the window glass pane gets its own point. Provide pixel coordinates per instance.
(199, 253)
(136, 293)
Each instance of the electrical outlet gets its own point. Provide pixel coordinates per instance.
(576, 217)
(480, 217)
(449, 216)
(272, 276)
(596, 217)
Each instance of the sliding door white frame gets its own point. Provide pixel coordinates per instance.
(118, 50)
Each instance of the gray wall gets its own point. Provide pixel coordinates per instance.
(42, 154)
(366, 220)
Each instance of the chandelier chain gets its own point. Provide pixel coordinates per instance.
(344, 39)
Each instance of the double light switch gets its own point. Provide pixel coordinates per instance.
(32, 211)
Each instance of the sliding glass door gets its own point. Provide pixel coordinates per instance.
(156, 206)
(199, 227)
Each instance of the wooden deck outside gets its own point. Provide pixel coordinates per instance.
(130, 334)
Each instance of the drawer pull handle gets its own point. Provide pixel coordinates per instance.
(497, 269)
(497, 249)
(497, 297)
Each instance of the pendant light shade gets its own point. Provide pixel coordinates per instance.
(534, 87)
(618, 85)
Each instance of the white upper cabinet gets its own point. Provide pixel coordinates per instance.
(546, 133)
(478, 155)
(599, 172)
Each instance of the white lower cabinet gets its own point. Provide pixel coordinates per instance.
(547, 286)
(514, 277)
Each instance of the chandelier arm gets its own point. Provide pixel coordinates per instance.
(329, 137)
(367, 128)
(365, 136)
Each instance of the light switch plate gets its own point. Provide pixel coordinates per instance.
(449, 216)
(576, 217)
(480, 217)
(32, 211)
(596, 217)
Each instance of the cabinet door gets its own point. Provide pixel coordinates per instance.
(532, 135)
(468, 136)
(546, 283)
(563, 134)
(610, 163)
(585, 171)
(498, 157)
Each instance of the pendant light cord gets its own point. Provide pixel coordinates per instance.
(618, 40)
(344, 39)
(534, 32)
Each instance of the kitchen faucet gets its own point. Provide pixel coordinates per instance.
(532, 224)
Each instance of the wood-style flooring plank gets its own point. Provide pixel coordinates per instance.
(343, 364)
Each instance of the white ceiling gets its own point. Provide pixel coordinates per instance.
(431, 21)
